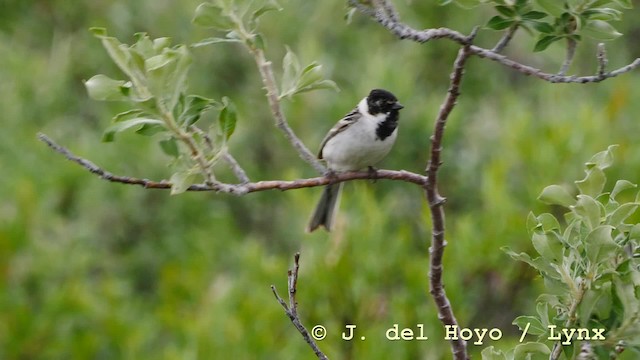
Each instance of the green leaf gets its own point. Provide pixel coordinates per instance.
(118, 52)
(489, 353)
(600, 30)
(499, 23)
(127, 115)
(319, 85)
(588, 210)
(622, 212)
(604, 14)
(291, 72)
(227, 118)
(270, 5)
(214, 40)
(506, 11)
(603, 159)
(212, 16)
(543, 27)
(548, 245)
(103, 88)
(534, 15)
(548, 222)
(170, 147)
(545, 41)
(167, 75)
(620, 186)
(553, 7)
(540, 264)
(535, 326)
(593, 183)
(109, 133)
(151, 129)
(556, 195)
(181, 181)
(524, 351)
(195, 107)
(599, 244)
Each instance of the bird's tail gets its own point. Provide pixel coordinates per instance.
(326, 208)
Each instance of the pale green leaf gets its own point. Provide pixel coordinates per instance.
(588, 210)
(620, 186)
(110, 132)
(556, 195)
(622, 213)
(212, 16)
(548, 245)
(103, 88)
(523, 351)
(181, 181)
(535, 326)
(170, 147)
(593, 183)
(599, 244)
(600, 30)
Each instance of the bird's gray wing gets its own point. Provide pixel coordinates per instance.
(339, 127)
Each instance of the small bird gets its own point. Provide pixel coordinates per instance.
(360, 139)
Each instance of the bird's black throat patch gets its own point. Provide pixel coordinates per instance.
(386, 128)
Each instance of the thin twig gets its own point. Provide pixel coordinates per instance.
(602, 59)
(571, 53)
(505, 39)
(404, 31)
(292, 309)
(436, 202)
(236, 189)
(235, 167)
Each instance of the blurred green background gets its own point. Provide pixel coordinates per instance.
(95, 270)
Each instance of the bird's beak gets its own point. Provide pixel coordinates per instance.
(397, 106)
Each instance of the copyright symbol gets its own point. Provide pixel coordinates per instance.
(319, 332)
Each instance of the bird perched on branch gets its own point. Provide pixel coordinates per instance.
(360, 139)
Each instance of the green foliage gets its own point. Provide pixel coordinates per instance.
(157, 88)
(590, 265)
(554, 20)
(232, 18)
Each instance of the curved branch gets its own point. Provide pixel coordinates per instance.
(381, 14)
(436, 202)
(242, 188)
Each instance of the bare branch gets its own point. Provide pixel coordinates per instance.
(292, 309)
(505, 39)
(404, 31)
(237, 189)
(602, 59)
(436, 202)
(235, 167)
(571, 53)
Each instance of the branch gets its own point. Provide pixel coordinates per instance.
(292, 309)
(436, 202)
(505, 39)
(268, 79)
(403, 31)
(237, 189)
(571, 53)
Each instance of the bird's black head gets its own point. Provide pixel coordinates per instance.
(382, 101)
